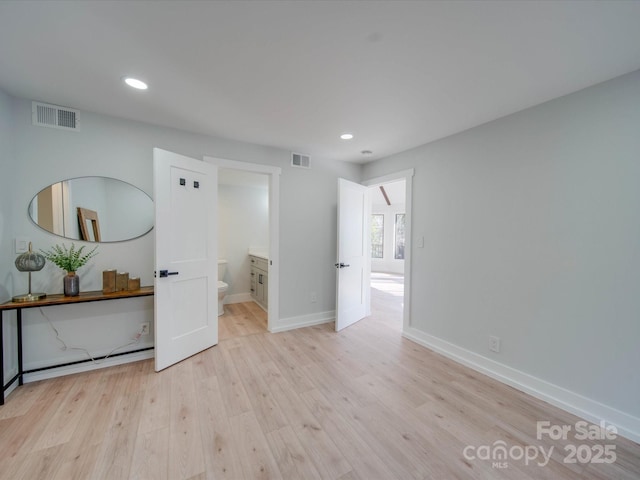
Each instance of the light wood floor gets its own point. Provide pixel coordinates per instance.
(307, 404)
(241, 319)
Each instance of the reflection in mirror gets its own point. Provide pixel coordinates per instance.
(88, 220)
(95, 209)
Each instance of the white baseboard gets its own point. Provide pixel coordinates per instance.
(310, 320)
(85, 367)
(238, 298)
(628, 426)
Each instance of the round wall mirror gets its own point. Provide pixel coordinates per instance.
(93, 209)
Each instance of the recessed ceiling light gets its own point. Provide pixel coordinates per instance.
(135, 83)
(346, 136)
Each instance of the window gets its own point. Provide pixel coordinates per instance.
(399, 253)
(377, 235)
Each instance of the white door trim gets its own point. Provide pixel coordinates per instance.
(273, 308)
(406, 175)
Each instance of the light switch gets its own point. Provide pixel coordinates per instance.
(421, 242)
(22, 245)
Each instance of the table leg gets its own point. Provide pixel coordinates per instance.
(2, 357)
(19, 322)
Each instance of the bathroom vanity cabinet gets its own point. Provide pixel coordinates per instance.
(260, 280)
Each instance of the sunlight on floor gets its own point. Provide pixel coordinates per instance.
(387, 298)
(390, 283)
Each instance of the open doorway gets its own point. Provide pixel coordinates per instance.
(243, 245)
(266, 252)
(388, 247)
(391, 291)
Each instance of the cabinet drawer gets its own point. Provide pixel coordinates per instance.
(260, 263)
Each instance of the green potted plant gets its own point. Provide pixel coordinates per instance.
(70, 260)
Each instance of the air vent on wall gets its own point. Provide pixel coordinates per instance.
(300, 160)
(53, 116)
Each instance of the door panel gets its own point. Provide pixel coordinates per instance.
(188, 214)
(354, 264)
(187, 294)
(186, 311)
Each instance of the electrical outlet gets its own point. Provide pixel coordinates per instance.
(494, 344)
(144, 328)
(314, 297)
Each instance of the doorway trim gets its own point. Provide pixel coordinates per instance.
(407, 176)
(273, 308)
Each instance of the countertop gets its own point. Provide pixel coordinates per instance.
(260, 253)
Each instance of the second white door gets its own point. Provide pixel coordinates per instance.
(354, 263)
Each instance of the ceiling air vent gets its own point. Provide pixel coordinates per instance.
(300, 160)
(53, 116)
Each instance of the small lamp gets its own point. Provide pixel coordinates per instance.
(29, 262)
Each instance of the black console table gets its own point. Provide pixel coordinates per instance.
(49, 300)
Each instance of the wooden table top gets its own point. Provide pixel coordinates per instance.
(92, 296)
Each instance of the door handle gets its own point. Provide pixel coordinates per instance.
(166, 273)
(342, 265)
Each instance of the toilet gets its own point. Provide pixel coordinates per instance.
(222, 287)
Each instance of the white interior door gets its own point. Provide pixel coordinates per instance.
(354, 263)
(186, 292)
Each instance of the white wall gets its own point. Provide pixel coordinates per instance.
(388, 263)
(7, 255)
(308, 220)
(532, 233)
(113, 147)
(243, 223)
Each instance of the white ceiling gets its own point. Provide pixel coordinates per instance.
(295, 75)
